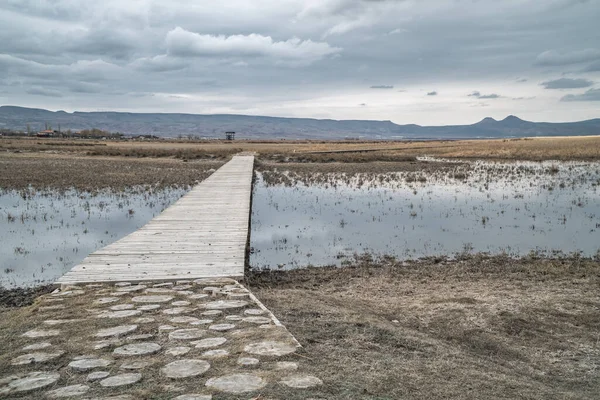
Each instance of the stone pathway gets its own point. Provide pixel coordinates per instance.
(201, 339)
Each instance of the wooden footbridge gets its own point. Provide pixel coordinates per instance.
(204, 234)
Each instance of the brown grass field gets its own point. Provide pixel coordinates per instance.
(476, 328)
(561, 148)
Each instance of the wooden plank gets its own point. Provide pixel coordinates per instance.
(204, 234)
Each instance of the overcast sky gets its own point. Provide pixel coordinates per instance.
(430, 62)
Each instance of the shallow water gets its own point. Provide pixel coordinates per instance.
(44, 234)
(515, 208)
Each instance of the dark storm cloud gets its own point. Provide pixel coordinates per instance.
(590, 95)
(567, 83)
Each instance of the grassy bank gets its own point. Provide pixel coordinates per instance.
(478, 327)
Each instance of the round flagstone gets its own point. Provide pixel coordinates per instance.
(178, 310)
(181, 303)
(38, 357)
(270, 348)
(166, 328)
(94, 376)
(247, 361)
(301, 381)
(89, 363)
(101, 344)
(116, 331)
(149, 307)
(183, 320)
(53, 322)
(198, 296)
(193, 397)
(233, 318)
(202, 322)
(225, 304)
(186, 334)
(237, 383)
(182, 287)
(209, 342)
(185, 368)
(119, 314)
(217, 353)
(144, 320)
(122, 284)
(159, 290)
(137, 349)
(132, 288)
(121, 380)
(286, 365)
(119, 307)
(257, 320)
(177, 351)
(106, 300)
(254, 311)
(221, 327)
(136, 364)
(37, 346)
(212, 313)
(68, 391)
(140, 337)
(29, 381)
(211, 289)
(40, 333)
(214, 281)
(152, 299)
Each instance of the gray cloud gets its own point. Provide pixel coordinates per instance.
(44, 92)
(593, 67)
(296, 58)
(434, 93)
(478, 95)
(382, 87)
(589, 95)
(555, 58)
(567, 83)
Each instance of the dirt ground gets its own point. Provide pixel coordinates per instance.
(476, 328)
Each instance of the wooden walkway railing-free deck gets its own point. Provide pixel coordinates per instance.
(204, 234)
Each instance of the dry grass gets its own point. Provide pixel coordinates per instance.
(60, 171)
(478, 328)
(562, 148)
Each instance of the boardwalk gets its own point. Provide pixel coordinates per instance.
(204, 234)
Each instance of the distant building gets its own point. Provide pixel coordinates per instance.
(46, 133)
(229, 135)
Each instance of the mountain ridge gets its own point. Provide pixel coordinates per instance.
(263, 127)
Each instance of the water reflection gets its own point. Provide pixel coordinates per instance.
(44, 234)
(514, 208)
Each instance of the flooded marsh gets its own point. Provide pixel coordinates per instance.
(46, 233)
(511, 208)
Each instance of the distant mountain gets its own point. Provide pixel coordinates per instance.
(256, 127)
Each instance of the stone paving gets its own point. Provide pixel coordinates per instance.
(201, 339)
